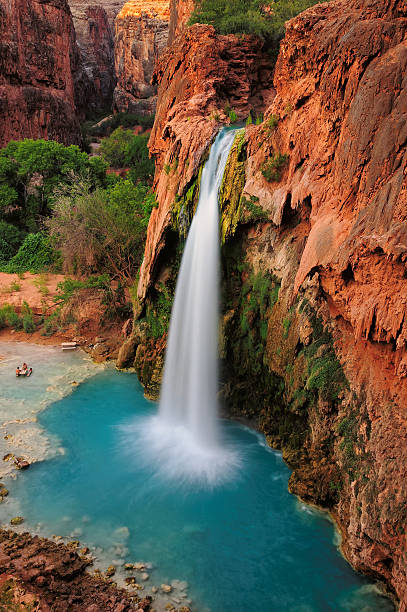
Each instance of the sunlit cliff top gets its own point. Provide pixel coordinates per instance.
(152, 8)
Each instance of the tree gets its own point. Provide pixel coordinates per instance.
(114, 148)
(10, 239)
(29, 172)
(102, 231)
(124, 149)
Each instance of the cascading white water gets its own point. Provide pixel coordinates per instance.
(190, 384)
(184, 439)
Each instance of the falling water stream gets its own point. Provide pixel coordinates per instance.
(184, 439)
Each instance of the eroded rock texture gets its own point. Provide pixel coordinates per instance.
(39, 63)
(38, 574)
(314, 334)
(181, 11)
(94, 23)
(140, 39)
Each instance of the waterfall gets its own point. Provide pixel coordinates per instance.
(190, 383)
(183, 442)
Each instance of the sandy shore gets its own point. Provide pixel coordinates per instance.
(55, 374)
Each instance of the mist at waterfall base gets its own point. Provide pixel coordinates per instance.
(183, 441)
(247, 545)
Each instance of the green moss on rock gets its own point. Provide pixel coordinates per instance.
(232, 187)
(185, 205)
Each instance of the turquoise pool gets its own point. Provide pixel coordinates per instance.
(246, 545)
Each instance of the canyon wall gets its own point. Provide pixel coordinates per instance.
(94, 27)
(314, 256)
(181, 11)
(39, 65)
(141, 35)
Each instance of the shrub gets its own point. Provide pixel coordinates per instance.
(36, 254)
(263, 19)
(10, 240)
(102, 231)
(28, 324)
(30, 170)
(271, 169)
(14, 320)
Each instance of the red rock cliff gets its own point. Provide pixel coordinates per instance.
(198, 77)
(39, 63)
(181, 11)
(140, 39)
(331, 226)
(94, 33)
(340, 78)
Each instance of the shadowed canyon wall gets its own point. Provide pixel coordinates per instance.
(314, 210)
(39, 65)
(94, 27)
(140, 39)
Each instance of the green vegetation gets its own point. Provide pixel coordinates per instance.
(125, 120)
(286, 327)
(102, 231)
(59, 209)
(36, 254)
(265, 20)
(271, 124)
(29, 172)
(27, 318)
(324, 376)
(10, 240)
(232, 186)
(159, 312)
(230, 113)
(347, 429)
(271, 169)
(9, 318)
(185, 205)
(124, 149)
(258, 296)
(250, 211)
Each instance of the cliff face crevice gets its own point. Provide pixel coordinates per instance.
(313, 340)
(141, 35)
(39, 64)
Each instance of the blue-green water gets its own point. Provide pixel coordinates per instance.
(247, 545)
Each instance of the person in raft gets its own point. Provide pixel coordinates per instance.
(18, 371)
(25, 368)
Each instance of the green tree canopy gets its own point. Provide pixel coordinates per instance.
(29, 172)
(124, 149)
(259, 17)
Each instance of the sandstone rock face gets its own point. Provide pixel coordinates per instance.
(79, 9)
(140, 39)
(181, 11)
(329, 232)
(94, 33)
(197, 77)
(39, 63)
